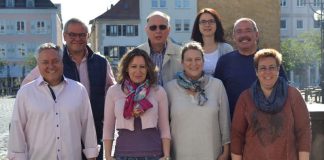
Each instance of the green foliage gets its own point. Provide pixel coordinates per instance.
(301, 51)
(30, 61)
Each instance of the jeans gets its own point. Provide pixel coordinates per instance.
(136, 158)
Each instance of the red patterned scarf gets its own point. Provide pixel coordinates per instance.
(136, 102)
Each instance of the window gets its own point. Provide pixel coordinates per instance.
(2, 51)
(154, 3)
(182, 25)
(158, 3)
(283, 24)
(113, 30)
(130, 30)
(301, 3)
(10, 3)
(2, 28)
(40, 26)
(22, 50)
(20, 26)
(186, 25)
(111, 51)
(30, 3)
(317, 2)
(177, 25)
(162, 3)
(182, 3)
(283, 3)
(300, 24)
(317, 24)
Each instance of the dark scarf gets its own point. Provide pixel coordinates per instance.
(194, 85)
(136, 102)
(275, 102)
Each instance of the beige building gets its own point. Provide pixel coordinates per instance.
(266, 14)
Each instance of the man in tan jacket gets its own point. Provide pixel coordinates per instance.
(165, 54)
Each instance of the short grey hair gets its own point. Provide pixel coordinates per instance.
(255, 27)
(74, 21)
(46, 46)
(159, 13)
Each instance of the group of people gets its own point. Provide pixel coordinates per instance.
(204, 101)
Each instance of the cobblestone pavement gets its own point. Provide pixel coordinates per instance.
(6, 106)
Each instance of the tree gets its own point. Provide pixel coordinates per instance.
(300, 53)
(30, 61)
(2, 64)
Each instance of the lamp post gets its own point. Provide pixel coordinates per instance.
(318, 16)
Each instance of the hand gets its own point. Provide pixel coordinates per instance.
(222, 157)
(164, 158)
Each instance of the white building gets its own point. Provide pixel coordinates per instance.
(297, 16)
(122, 26)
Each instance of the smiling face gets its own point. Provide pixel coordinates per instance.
(137, 70)
(50, 66)
(193, 64)
(76, 37)
(160, 34)
(267, 72)
(245, 37)
(207, 25)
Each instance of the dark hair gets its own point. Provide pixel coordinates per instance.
(74, 21)
(126, 60)
(219, 34)
(194, 46)
(268, 52)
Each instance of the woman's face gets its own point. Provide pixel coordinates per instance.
(193, 64)
(137, 70)
(207, 25)
(267, 72)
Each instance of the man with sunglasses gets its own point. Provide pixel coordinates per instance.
(164, 53)
(236, 69)
(83, 65)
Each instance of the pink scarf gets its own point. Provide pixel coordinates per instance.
(136, 103)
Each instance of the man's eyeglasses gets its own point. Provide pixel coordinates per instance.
(270, 69)
(209, 22)
(75, 35)
(161, 27)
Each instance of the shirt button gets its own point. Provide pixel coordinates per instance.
(56, 113)
(57, 125)
(58, 150)
(58, 137)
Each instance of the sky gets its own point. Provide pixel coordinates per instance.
(84, 10)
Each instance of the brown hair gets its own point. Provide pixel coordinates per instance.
(194, 46)
(126, 60)
(268, 52)
(219, 34)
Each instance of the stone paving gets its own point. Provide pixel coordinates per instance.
(6, 106)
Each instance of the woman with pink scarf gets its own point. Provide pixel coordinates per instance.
(138, 109)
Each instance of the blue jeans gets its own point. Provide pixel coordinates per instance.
(136, 158)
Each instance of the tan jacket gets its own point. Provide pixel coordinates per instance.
(171, 61)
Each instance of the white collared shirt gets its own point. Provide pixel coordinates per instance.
(42, 128)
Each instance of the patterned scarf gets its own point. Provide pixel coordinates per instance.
(193, 85)
(275, 102)
(136, 102)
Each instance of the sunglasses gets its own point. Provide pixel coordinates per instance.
(161, 27)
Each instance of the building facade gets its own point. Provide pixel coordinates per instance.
(297, 17)
(122, 27)
(24, 25)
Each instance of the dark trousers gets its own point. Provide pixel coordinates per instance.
(99, 126)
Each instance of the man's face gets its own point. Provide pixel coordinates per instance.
(245, 36)
(50, 66)
(157, 30)
(76, 37)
